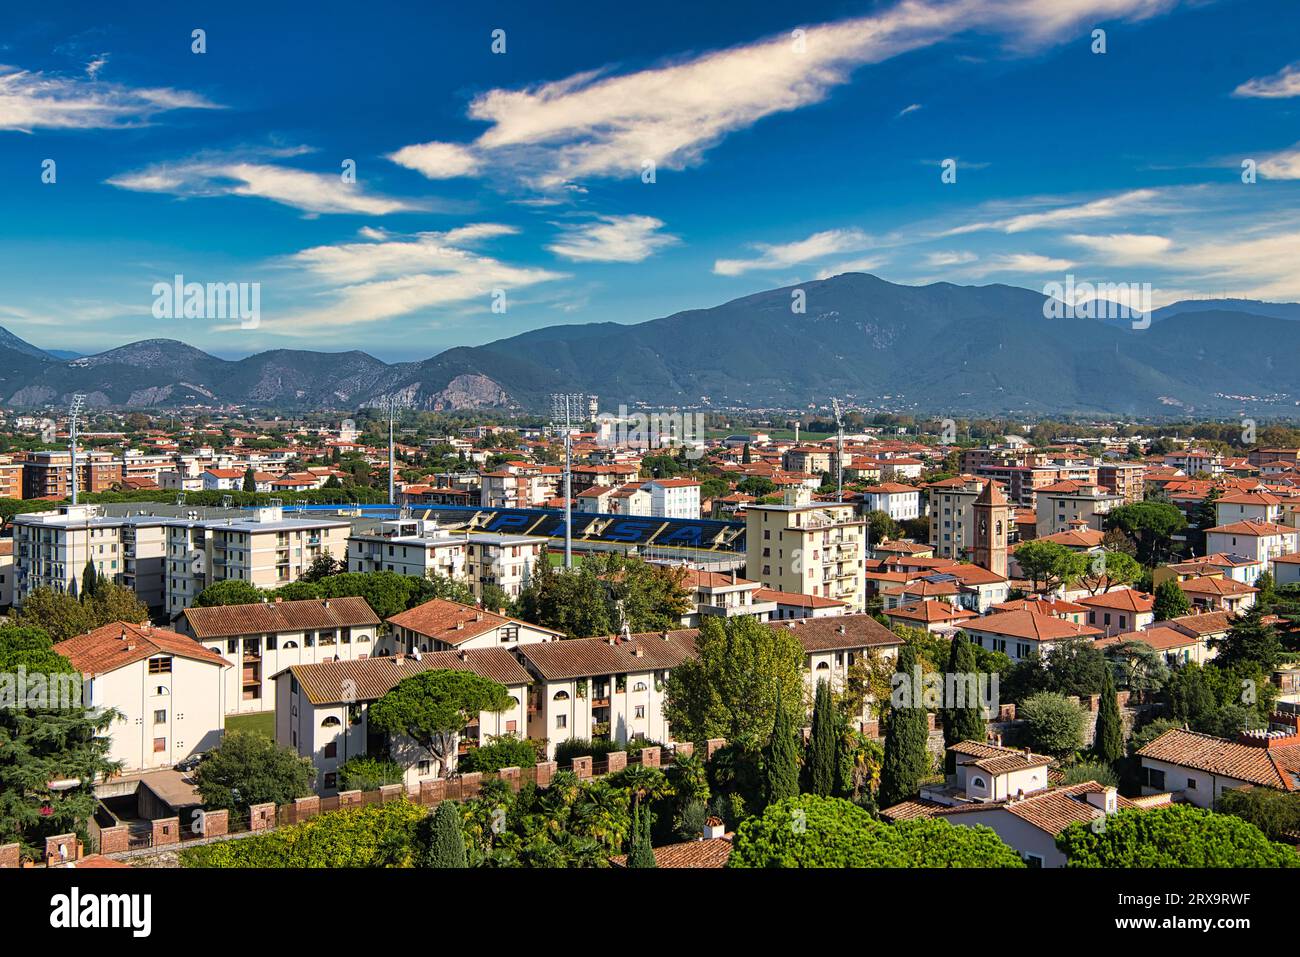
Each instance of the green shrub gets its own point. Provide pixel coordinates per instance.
(506, 751)
(376, 835)
(1178, 835)
(368, 774)
(566, 751)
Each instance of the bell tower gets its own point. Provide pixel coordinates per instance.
(992, 518)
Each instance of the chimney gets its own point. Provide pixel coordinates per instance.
(278, 599)
(664, 636)
(714, 829)
(460, 626)
(841, 629)
(325, 603)
(478, 616)
(1029, 755)
(463, 655)
(1106, 799)
(637, 652)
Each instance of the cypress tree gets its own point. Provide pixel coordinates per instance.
(907, 760)
(822, 747)
(782, 759)
(962, 723)
(1109, 739)
(641, 853)
(250, 480)
(89, 581)
(744, 455)
(446, 847)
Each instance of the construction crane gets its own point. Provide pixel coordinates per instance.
(839, 451)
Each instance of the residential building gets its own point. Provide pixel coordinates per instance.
(1120, 610)
(262, 640)
(674, 498)
(900, 502)
(793, 605)
(169, 691)
(1198, 768)
(442, 625)
(1019, 634)
(716, 594)
(1063, 504)
(816, 549)
(1262, 541)
(504, 560)
(322, 710)
(49, 473)
(414, 547)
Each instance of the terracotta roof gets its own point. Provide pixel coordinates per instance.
(797, 599)
(1126, 599)
(711, 853)
(930, 611)
(1215, 586)
(585, 657)
(365, 679)
(1252, 529)
(1158, 637)
(1277, 767)
(839, 632)
(452, 622)
(119, 644)
(1041, 606)
(1025, 624)
(1209, 623)
(272, 617)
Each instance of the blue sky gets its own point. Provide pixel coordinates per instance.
(789, 143)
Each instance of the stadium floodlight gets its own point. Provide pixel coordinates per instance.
(839, 452)
(390, 404)
(566, 409)
(74, 414)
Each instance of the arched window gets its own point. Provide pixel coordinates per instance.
(823, 667)
(331, 722)
(639, 686)
(560, 696)
(977, 782)
(290, 644)
(514, 702)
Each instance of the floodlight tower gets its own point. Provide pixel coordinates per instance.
(565, 409)
(390, 405)
(74, 414)
(839, 453)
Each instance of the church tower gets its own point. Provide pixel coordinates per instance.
(992, 521)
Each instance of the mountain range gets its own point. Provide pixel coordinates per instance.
(939, 349)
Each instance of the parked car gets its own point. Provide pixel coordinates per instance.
(192, 762)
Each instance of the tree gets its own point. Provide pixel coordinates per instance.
(1108, 742)
(1276, 813)
(823, 745)
(1267, 589)
(232, 591)
(368, 774)
(322, 567)
(781, 758)
(112, 602)
(57, 614)
(433, 707)
(1190, 698)
(1152, 525)
(248, 768)
(640, 852)
(1176, 835)
(1249, 641)
(1054, 723)
(733, 688)
(880, 527)
(1108, 569)
(444, 844)
(1050, 564)
(812, 831)
(88, 581)
(907, 759)
(744, 455)
(1171, 601)
(756, 485)
(250, 479)
(1085, 771)
(47, 736)
(964, 723)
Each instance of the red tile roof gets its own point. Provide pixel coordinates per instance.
(119, 644)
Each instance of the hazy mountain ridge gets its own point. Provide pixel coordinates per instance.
(942, 348)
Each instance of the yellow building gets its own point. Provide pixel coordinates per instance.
(806, 547)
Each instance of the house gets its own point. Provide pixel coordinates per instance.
(791, 605)
(169, 691)
(504, 560)
(936, 617)
(833, 645)
(442, 625)
(265, 638)
(1009, 791)
(1124, 609)
(725, 596)
(1212, 593)
(1060, 505)
(1257, 506)
(1065, 610)
(602, 688)
(1207, 626)
(322, 709)
(900, 502)
(1262, 541)
(1175, 646)
(1019, 634)
(674, 497)
(1286, 569)
(1200, 767)
(415, 547)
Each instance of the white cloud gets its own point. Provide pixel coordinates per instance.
(817, 246)
(1284, 83)
(1108, 207)
(593, 124)
(242, 176)
(371, 282)
(32, 100)
(437, 160)
(1284, 164)
(1121, 248)
(623, 239)
(1023, 263)
(869, 264)
(947, 258)
(912, 108)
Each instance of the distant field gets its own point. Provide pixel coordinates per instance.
(261, 722)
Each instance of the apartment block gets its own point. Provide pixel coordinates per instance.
(49, 474)
(813, 548)
(414, 547)
(503, 560)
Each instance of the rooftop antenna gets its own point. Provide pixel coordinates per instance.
(565, 408)
(839, 454)
(74, 414)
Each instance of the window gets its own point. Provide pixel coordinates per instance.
(160, 666)
(331, 749)
(640, 711)
(424, 768)
(272, 642)
(1191, 784)
(331, 780)
(977, 782)
(159, 745)
(160, 716)
(161, 690)
(561, 720)
(331, 722)
(1033, 860)
(639, 686)
(560, 696)
(232, 646)
(1155, 778)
